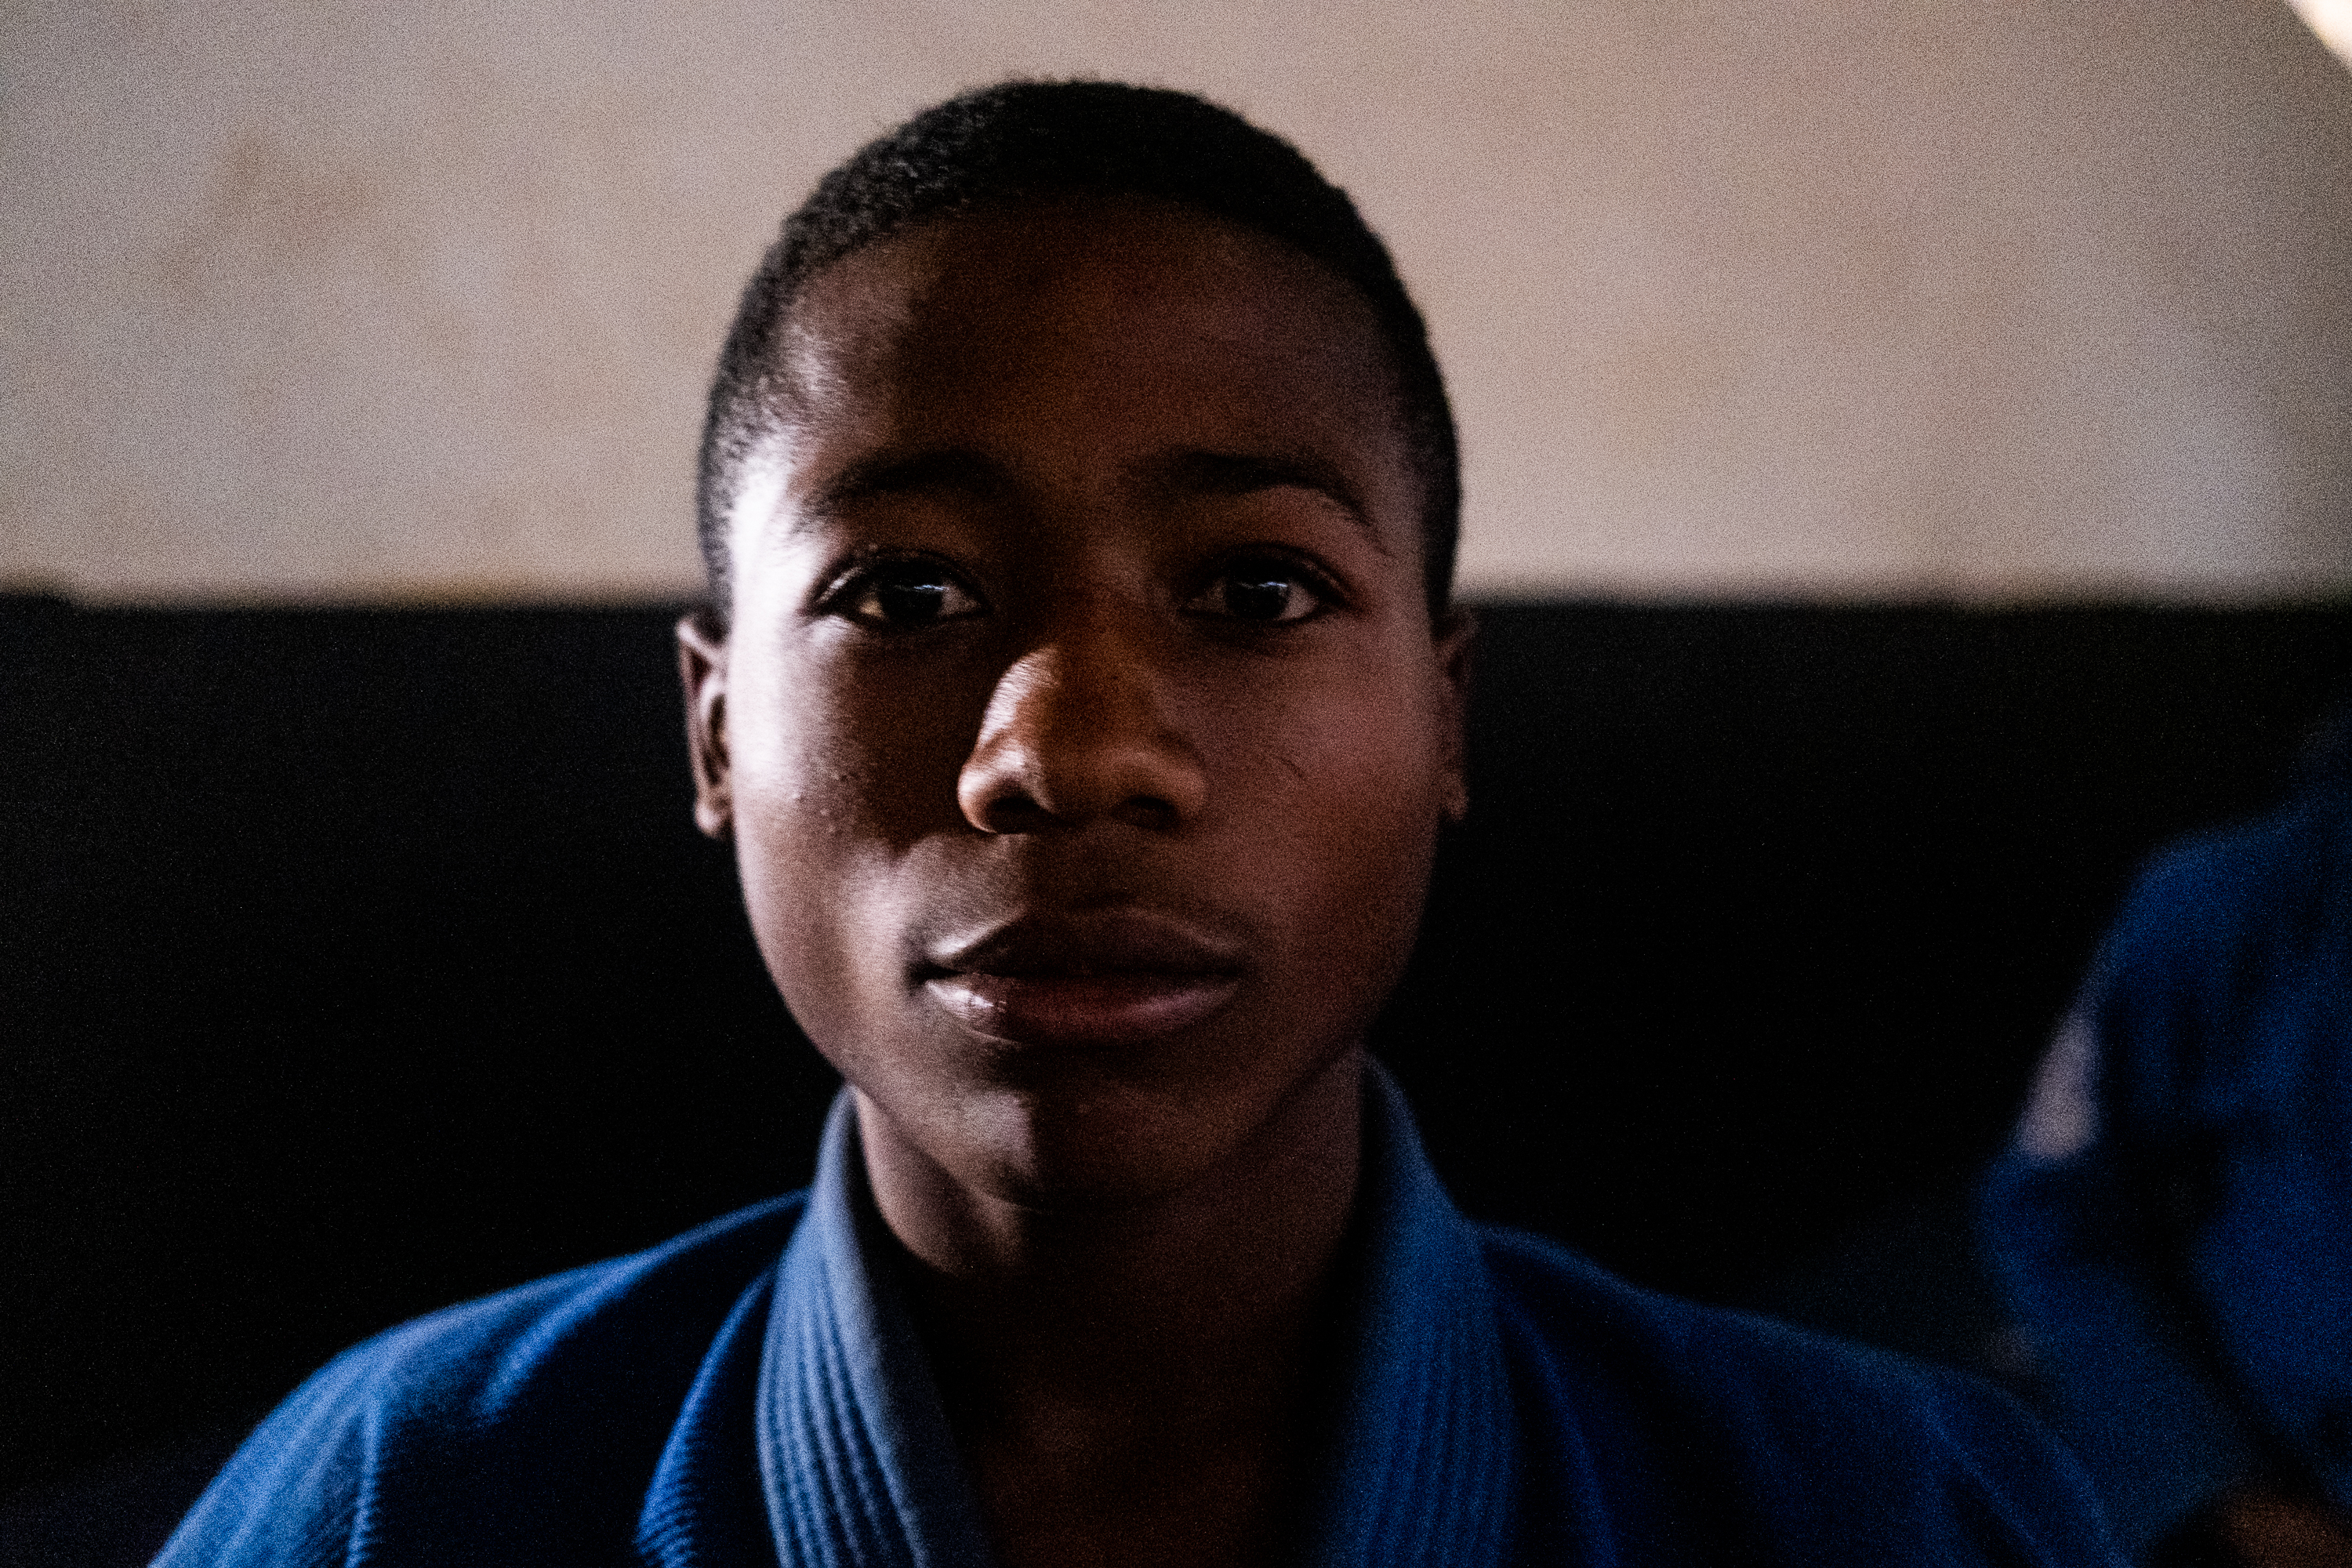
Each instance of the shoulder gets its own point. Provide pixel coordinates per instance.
(2229, 945)
(586, 1336)
(2217, 892)
(501, 1353)
(535, 1411)
(1784, 1444)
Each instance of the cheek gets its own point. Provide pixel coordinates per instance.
(1365, 739)
(790, 845)
(1348, 796)
(797, 809)
(839, 775)
(810, 882)
(846, 760)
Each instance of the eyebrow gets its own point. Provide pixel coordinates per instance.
(1193, 471)
(955, 470)
(1202, 472)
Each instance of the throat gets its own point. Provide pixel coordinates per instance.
(1143, 1386)
(1191, 1475)
(1137, 1431)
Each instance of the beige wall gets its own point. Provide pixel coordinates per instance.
(1848, 298)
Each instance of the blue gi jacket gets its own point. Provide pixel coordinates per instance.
(2175, 1222)
(754, 1393)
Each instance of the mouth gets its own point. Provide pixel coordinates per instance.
(1105, 977)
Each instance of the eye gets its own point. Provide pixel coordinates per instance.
(901, 596)
(1264, 589)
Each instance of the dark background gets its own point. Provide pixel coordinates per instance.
(353, 963)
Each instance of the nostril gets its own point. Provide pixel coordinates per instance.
(1010, 812)
(1069, 740)
(1009, 789)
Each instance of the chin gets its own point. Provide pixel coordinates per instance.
(1091, 1140)
(1108, 1146)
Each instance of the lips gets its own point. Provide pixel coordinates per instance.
(1104, 977)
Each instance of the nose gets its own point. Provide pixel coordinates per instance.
(1077, 730)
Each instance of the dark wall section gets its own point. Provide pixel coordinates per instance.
(1762, 916)
(372, 962)
(354, 962)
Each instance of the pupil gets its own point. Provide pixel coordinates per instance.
(1261, 600)
(914, 599)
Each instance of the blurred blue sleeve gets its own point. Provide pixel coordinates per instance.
(2089, 1216)
(2068, 1239)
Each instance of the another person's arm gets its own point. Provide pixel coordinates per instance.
(2068, 1219)
(2161, 1221)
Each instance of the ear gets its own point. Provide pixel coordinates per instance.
(1456, 635)
(702, 670)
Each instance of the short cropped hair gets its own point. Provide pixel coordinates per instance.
(1031, 139)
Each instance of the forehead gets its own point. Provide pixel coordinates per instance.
(1104, 319)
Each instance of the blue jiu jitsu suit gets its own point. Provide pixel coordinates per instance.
(754, 1393)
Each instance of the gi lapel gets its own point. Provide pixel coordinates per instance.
(1421, 1460)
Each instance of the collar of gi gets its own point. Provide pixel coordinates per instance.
(1418, 1458)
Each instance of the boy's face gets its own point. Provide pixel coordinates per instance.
(1081, 728)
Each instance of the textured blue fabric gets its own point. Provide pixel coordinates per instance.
(859, 1467)
(1425, 1465)
(2187, 1270)
(754, 1393)
(854, 1454)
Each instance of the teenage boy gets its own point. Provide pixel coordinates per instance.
(1082, 695)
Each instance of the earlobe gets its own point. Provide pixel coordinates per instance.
(702, 671)
(1457, 637)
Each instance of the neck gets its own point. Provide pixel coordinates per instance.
(1130, 1340)
(1227, 1265)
